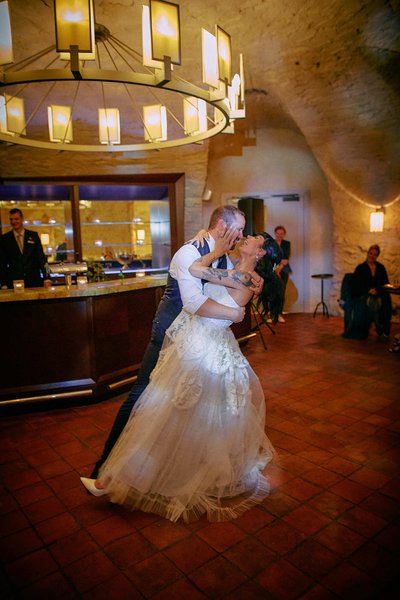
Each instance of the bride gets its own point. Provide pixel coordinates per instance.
(195, 442)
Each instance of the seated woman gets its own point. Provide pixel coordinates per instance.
(195, 442)
(369, 301)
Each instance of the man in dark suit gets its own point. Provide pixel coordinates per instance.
(284, 269)
(22, 255)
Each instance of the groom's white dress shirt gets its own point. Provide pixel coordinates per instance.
(191, 288)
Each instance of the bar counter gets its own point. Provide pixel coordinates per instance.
(63, 342)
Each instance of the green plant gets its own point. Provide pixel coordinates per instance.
(95, 271)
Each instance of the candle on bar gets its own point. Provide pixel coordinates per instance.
(19, 285)
(81, 280)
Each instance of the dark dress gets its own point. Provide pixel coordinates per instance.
(364, 308)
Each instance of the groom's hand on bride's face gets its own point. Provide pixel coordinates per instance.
(225, 240)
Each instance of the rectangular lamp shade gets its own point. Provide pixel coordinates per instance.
(165, 31)
(60, 123)
(241, 75)
(234, 101)
(210, 58)
(146, 41)
(233, 94)
(376, 220)
(45, 239)
(6, 49)
(109, 128)
(74, 25)
(195, 115)
(224, 50)
(12, 115)
(155, 123)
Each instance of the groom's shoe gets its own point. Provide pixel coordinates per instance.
(91, 487)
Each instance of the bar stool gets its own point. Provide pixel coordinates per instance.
(322, 276)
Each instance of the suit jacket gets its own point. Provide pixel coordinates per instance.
(29, 265)
(285, 247)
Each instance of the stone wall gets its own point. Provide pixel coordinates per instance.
(352, 238)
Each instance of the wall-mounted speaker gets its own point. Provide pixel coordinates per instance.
(253, 209)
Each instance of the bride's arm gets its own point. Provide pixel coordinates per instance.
(231, 278)
(202, 269)
(240, 282)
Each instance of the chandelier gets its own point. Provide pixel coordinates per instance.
(91, 91)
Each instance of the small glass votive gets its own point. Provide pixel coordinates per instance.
(19, 285)
(81, 280)
(140, 273)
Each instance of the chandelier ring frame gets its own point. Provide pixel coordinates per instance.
(213, 98)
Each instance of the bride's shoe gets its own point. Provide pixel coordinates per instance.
(91, 487)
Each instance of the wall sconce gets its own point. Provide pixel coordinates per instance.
(141, 235)
(207, 194)
(376, 220)
(109, 128)
(60, 123)
(6, 50)
(45, 239)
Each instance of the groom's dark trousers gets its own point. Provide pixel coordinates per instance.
(168, 309)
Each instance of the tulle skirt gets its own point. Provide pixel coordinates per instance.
(195, 443)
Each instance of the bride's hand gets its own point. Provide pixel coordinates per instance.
(198, 239)
(257, 283)
(224, 242)
(241, 310)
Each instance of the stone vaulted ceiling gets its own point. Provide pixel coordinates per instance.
(329, 69)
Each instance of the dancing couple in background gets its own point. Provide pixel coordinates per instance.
(194, 442)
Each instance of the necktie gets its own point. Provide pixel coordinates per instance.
(20, 238)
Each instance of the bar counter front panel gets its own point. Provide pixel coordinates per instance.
(74, 341)
(66, 342)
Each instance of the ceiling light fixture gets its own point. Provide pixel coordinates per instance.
(55, 89)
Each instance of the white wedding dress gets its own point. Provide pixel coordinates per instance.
(195, 442)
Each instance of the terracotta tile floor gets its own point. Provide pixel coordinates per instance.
(330, 529)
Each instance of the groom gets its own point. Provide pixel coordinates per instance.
(182, 291)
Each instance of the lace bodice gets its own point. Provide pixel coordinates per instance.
(220, 294)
